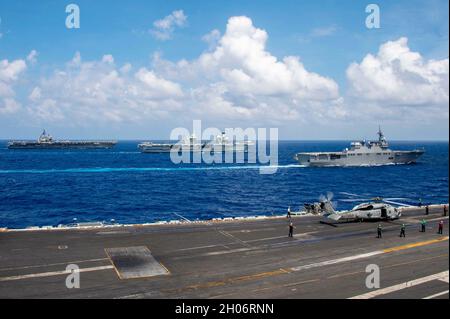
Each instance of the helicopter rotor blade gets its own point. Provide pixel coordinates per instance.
(330, 196)
(349, 194)
(396, 203)
(351, 200)
(334, 205)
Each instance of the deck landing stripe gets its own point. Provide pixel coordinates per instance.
(54, 273)
(437, 295)
(404, 285)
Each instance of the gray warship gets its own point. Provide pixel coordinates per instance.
(46, 141)
(361, 153)
(220, 144)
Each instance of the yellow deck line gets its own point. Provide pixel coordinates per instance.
(282, 271)
(414, 245)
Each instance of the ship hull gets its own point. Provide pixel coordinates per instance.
(155, 151)
(155, 148)
(369, 159)
(168, 149)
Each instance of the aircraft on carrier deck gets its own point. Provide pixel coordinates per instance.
(376, 208)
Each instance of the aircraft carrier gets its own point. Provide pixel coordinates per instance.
(220, 144)
(46, 141)
(361, 153)
(229, 258)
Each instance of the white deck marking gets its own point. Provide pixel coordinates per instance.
(404, 285)
(247, 241)
(203, 247)
(370, 254)
(227, 234)
(149, 294)
(437, 295)
(223, 252)
(264, 229)
(113, 232)
(182, 217)
(418, 219)
(301, 235)
(54, 273)
(337, 261)
(444, 279)
(54, 264)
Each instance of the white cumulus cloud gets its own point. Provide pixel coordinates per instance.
(236, 81)
(9, 71)
(212, 38)
(239, 77)
(397, 76)
(9, 106)
(9, 74)
(99, 91)
(32, 56)
(163, 29)
(35, 95)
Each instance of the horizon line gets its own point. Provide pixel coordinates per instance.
(280, 140)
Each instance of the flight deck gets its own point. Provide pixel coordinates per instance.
(230, 259)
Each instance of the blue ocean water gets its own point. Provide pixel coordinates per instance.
(51, 187)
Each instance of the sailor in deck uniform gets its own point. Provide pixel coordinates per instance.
(402, 231)
(291, 230)
(424, 225)
(379, 231)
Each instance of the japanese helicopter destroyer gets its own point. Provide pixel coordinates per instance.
(361, 153)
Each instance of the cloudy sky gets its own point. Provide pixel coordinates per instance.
(136, 71)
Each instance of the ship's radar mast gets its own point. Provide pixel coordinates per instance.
(381, 138)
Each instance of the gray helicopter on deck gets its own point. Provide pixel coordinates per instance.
(376, 208)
